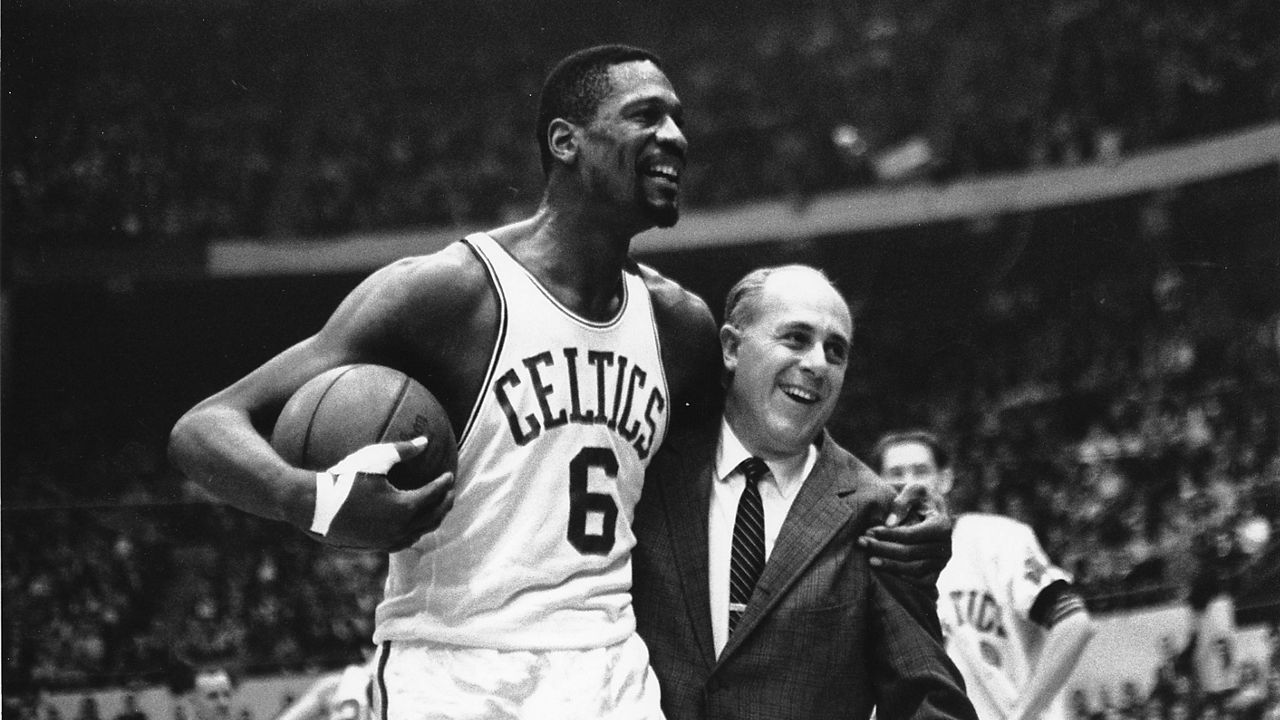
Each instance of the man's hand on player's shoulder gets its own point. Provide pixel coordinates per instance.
(915, 540)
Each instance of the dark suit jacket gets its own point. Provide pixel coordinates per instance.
(824, 636)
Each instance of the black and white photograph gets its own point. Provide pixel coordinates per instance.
(640, 359)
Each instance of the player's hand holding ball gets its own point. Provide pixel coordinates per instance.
(383, 452)
(357, 506)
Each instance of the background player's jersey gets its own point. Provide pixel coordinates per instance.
(985, 595)
(352, 697)
(536, 552)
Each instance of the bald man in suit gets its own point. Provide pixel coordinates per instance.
(750, 587)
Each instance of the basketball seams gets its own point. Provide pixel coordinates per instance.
(315, 412)
(396, 406)
(474, 243)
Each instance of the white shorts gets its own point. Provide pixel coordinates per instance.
(428, 681)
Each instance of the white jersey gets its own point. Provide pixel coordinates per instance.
(985, 594)
(536, 552)
(353, 694)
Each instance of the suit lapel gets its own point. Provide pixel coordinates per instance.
(687, 500)
(825, 502)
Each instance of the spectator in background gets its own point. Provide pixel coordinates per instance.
(206, 691)
(1078, 707)
(1180, 709)
(1131, 700)
(19, 708)
(1213, 648)
(212, 694)
(88, 709)
(1152, 709)
(1273, 646)
(342, 695)
(1249, 701)
(1173, 679)
(1273, 695)
(131, 710)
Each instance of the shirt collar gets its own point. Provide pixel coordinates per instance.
(788, 474)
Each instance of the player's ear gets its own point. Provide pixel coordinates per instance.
(562, 139)
(730, 340)
(946, 479)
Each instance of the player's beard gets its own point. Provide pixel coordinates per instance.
(663, 214)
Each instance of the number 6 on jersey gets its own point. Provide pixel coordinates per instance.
(582, 502)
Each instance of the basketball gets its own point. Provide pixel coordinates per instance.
(346, 408)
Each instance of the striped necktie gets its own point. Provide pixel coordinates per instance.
(747, 559)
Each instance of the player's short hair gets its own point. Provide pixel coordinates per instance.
(743, 301)
(941, 453)
(576, 85)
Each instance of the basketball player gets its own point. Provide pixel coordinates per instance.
(562, 364)
(1013, 623)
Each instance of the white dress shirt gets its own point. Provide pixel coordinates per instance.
(778, 490)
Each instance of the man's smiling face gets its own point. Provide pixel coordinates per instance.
(634, 149)
(788, 362)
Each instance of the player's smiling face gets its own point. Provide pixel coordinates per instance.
(634, 149)
(788, 363)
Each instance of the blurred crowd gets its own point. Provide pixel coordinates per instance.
(168, 123)
(122, 595)
(1177, 690)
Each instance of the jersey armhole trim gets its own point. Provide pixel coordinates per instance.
(497, 345)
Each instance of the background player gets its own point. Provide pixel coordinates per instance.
(1013, 623)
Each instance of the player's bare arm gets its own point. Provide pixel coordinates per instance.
(1061, 611)
(410, 315)
(690, 348)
